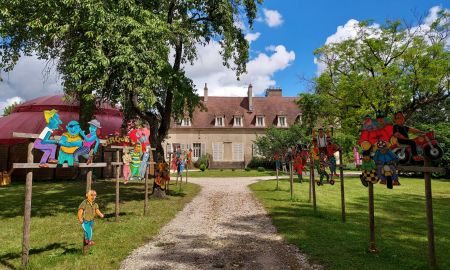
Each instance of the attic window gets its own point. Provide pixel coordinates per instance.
(237, 121)
(260, 121)
(282, 121)
(220, 121)
(186, 122)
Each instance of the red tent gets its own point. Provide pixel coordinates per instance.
(28, 117)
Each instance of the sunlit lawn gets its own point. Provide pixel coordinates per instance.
(56, 237)
(400, 220)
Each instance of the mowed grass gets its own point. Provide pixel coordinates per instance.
(400, 223)
(56, 236)
(227, 173)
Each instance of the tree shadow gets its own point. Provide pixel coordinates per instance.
(6, 258)
(53, 197)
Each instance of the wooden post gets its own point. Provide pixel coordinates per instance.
(88, 180)
(313, 184)
(277, 178)
(291, 179)
(187, 174)
(341, 172)
(373, 247)
(430, 226)
(27, 207)
(146, 193)
(117, 185)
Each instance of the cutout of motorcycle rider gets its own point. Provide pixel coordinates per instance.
(401, 132)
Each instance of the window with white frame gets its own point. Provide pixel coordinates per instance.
(255, 151)
(282, 121)
(238, 152)
(237, 121)
(220, 121)
(186, 122)
(196, 151)
(260, 121)
(218, 151)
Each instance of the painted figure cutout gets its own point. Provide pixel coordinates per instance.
(126, 158)
(87, 211)
(70, 142)
(88, 140)
(135, 161)
(144, 161)
(44, 143)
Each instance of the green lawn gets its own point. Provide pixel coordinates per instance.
(226, 173)
(56, 236)
(400, 223)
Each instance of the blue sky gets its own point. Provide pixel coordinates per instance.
(307, 24)
(283, 39)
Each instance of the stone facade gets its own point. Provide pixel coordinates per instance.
(228, 128)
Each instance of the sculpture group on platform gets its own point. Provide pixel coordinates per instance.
(73, 143)
(136, 161)
(322, 155)
(385, 144)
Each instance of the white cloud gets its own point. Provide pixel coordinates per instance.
(250, 37)
(272, 17)
(222, 81)
(349, 31)
(29, 79)
(432, 15)
(8, 102)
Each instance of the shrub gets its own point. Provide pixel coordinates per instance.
(202, 167)
(204, 159)
(261, 169)
(261, 162)
(247, 169)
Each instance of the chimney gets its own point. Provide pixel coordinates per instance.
(250, 98)
(274, 92)
(205, 94)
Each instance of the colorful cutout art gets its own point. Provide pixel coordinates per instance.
(44, 143)
(89, 140)
(70, 141)
(87, 211)
(379, 162)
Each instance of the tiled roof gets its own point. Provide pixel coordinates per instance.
(269, 107)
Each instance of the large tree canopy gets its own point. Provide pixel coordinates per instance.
(119, 51)
(389, 67)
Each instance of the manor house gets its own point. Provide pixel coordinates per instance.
(229, 126)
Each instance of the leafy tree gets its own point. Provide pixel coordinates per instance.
(279, 140)
(391, 67)
(118, 51)
(8, 109)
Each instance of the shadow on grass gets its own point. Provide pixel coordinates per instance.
(400, 222)
(51, 198)
(4, 258)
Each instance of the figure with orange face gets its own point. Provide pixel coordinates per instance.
(401, 133)
(87, 211)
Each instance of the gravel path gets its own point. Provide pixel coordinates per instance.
(223, 227)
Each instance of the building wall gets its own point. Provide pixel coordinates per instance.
(227, 136)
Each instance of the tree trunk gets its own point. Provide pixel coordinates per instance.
(87, 109)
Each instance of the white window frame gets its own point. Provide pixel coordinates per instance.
(218, 151)
(222, 120)
(235, 123)
(186, 122)
(238, 151)
(196, 151)
(284, 124)
(263, 121)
